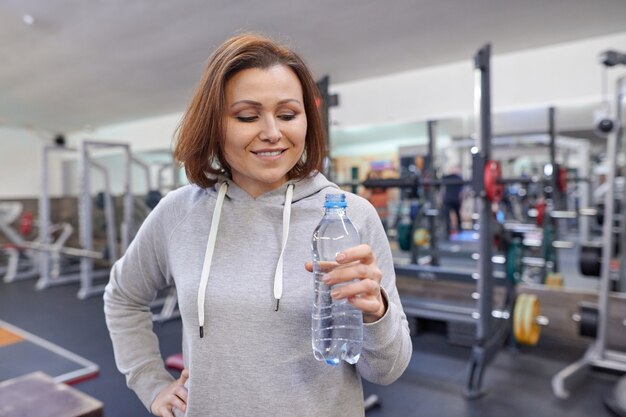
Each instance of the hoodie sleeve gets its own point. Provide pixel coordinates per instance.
(387, 346)
(134, 282)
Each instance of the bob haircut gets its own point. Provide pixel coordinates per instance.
(200, 143)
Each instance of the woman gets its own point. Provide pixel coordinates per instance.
(236, 245)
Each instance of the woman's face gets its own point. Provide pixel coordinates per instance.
(265, 127)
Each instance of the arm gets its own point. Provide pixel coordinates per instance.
(387, 346)
(135, 280)
(387, 343)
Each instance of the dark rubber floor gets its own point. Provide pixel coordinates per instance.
(517, 383)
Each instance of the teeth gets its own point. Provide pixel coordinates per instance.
(273, 153)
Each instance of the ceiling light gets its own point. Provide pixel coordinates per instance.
(28, 19)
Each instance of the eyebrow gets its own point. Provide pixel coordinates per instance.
(257, 104)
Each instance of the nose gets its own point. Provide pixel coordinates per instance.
(270, 132)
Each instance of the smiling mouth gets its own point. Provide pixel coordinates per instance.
(269, 153)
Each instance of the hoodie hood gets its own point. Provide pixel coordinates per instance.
(287, 194)
(303, 188)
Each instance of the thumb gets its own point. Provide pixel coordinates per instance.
(309, 266)
(184, 376)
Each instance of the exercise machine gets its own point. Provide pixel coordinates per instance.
(492, 326)
(22, 263)
(53, 251)
(87, 163)
(598, 355)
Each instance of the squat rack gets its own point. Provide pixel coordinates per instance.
(598, 355)
(488, 339)
(85, 213)
(49, 262)
(492, 327)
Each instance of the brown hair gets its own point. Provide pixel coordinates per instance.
(200, 143)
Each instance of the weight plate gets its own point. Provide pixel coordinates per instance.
(421, 237)
(530, 320)
(492, 175)
(519, 331)
(588, 326)
(525, 327)
(590, 260)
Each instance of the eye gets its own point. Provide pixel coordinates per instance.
(287, 116)
(246, 119)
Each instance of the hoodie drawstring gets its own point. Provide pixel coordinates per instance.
(208, 256)
(278, 276)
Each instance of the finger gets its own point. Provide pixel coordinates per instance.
(184, 376)
(368, 305)
(308, 266)
(362, 253)
(178, 403)
(346, 273)
(181, 392)
(165, 411)
(353, 271)
(363, 288)
(158, 408)
(325, 266)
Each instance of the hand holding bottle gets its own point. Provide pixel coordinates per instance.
(360, 274)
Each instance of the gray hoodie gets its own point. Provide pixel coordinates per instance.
(252, 360)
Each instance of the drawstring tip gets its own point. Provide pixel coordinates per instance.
(277, 303)
(201, 332)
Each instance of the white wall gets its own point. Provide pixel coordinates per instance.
(561, 74)
(20, 160)
(20, 156)
(143, 135)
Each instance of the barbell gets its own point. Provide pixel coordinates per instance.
(492, 178)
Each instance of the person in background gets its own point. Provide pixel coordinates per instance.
(378, 197)
(236, 243)
(452, 197)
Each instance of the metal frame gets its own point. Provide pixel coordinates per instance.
(49, 260)
(489, 335)
(491, 329)
(85, 213)
(598, 355)
(444, 311)
(176, 182)
(427, 201)
(431, 272)
(553, 201)
(147, 171)
(14, 271)
(581, 147)
(620, 110)
(169, 302)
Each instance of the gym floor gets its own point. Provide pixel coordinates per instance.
(517, 383)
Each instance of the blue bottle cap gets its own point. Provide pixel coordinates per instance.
(335, 201)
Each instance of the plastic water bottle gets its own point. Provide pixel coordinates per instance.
(336, 326)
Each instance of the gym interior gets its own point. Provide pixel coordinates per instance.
(488, 136)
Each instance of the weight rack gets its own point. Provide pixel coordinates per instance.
(598, 355)
(492, 327)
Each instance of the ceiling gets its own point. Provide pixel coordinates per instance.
(97, 62)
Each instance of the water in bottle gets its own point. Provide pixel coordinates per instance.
(336, 326)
